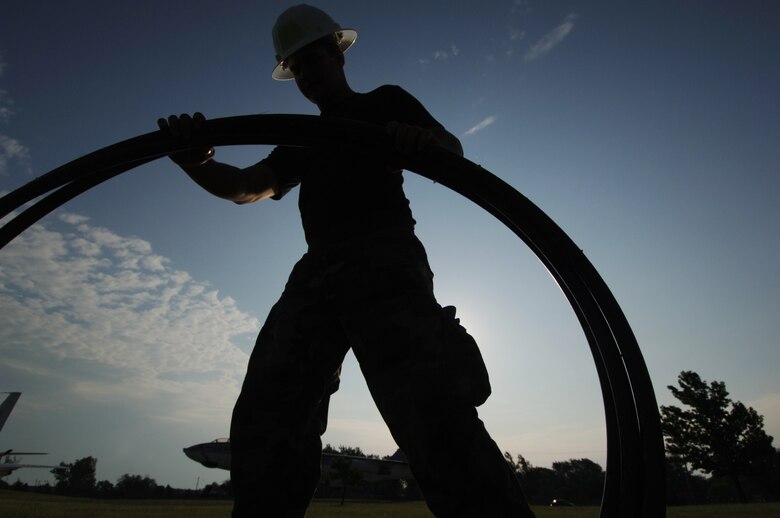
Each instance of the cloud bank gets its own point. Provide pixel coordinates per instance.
(102, 317)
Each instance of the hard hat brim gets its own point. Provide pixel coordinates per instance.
(348, 37)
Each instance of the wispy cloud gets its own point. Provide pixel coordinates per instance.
(107, 319)
(516, 34)
(445, 54)
(440, 55)
(514, 31)
(551, 39)
(487, 121)
(519, 7)
(11, 150)
(6, 110)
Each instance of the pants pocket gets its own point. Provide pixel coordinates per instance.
(463, 359)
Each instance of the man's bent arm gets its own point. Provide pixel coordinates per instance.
(252, 183)
(409, 138)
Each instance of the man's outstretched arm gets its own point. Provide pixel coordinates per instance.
(245, 185)
(240, 185)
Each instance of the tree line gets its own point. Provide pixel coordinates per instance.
(580, 480)
(716, 451)
(78, 478)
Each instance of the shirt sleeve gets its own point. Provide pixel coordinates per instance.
(411, 110)
(288, 165)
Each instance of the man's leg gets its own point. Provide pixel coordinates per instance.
(282, 411)
(458, 467)
(412, 353)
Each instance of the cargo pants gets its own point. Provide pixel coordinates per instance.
(425, 373)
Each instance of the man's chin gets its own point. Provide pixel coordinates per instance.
(311, 94)
(319, 100)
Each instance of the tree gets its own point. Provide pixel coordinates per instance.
(346, 473)
(716, 436)
(682, 486)
(77, 478)
(104, 489)
(136, 486)
(348, 450)
(521, 466)
(581, 480)
(538, 483)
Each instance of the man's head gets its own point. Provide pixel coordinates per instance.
(300, 26)
(318, 70)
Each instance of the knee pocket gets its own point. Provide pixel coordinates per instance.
(463, 360)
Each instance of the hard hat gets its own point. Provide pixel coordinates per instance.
(297, 27)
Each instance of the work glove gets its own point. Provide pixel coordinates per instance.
(183, 127)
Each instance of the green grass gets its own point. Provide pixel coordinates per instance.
(26, 505)
(769, 510)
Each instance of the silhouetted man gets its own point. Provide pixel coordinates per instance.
(364, 283)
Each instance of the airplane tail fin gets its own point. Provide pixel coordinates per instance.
(7, 406)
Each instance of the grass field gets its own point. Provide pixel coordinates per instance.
(25, 505)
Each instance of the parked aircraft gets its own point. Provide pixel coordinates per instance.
(216, 454)
(12, 463)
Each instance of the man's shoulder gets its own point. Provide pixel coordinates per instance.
(391, 97)
(392, 103)
(388, 91)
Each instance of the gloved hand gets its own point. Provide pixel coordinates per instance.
(184, 127)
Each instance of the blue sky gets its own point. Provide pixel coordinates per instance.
(650, 132)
